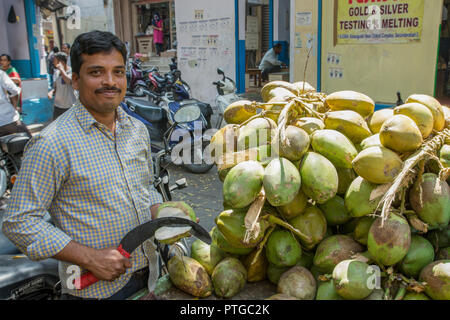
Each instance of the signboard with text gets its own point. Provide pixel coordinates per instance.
(379, 21)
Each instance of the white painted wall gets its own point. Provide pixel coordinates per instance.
(198, 60)
(13, 36)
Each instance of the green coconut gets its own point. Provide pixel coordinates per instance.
(319, 177)
(243, 184)
(219, 240)
(430, 199)
(372, 141)
(326, 291)
(312, 223)
(420, 254)
(444, 155)
(437, 278)
(377, 294)
(348, 227)
(296, 145)
(274, 272)
(333, 250)
(388, 241)
(298, 282)
(335, 211)
(189, 276)
(180, 209)
(352, 279)
(229, 277)
(362, 228)
(345, 177)
(310, 124)
(295, 207)
(231, 224)
(415, 296)
(207, 255)
(281, 182)
(334, 146)
(282, 249)
(362, 198)
(257, 132)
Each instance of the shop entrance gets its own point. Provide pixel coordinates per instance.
(144, 35)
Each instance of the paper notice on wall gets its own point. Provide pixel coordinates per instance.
(336, 73)
(298, 40)
(334, 58)
(303, 18)
(199, 14)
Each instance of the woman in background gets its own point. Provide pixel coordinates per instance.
(158, 34)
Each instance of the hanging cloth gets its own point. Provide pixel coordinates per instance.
(12, 18)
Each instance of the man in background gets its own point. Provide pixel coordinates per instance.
(9, 115)
(62, 86)
(5, 62)
(270, 62)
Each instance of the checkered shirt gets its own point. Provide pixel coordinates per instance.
(96, 187)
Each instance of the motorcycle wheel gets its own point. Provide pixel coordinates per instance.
(198, 168)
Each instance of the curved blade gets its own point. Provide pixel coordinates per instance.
(138, 235)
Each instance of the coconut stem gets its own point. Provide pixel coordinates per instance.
(401, 292)
(428, 150)
(272, 219)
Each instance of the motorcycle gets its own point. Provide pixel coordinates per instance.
(11, 150)
(24, 279)
(226, 95)
(160, 84)
(165, 133)
(137, 77)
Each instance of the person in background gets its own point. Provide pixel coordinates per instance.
(270, 62)
(9, 116)
(62, 86)
(5, 62)
(158, 33)
(66, 49)
(50, 66)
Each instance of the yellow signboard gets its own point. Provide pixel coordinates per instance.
(379, 21)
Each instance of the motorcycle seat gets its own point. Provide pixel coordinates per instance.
(14, 143)
(146, 109)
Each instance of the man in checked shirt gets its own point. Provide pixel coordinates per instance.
(91, 170)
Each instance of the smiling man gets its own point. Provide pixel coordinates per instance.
(91, 170)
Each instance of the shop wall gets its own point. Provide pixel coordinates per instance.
(380, 70)
(206, 40)
(95, 15)
(14, 36)
(304, 37)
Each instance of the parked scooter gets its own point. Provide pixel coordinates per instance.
(23, 279)
(226, 95)
(11, 150)
(137, 77)
(168, 134)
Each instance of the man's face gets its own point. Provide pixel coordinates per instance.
(277, 50)
(4, 63)
(101, 83)
(65, 50)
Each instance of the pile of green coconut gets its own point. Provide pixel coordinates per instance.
(328, 200)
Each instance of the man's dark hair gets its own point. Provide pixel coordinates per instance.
(61, 56)
(94, 42)
(278, 45)
(7, 57)
(67, 45)
(55, 49)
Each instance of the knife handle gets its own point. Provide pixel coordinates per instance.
(88, 278)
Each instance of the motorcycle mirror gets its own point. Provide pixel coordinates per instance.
(220, 71)
(187, 114)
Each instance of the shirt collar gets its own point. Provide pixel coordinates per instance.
(87, 121)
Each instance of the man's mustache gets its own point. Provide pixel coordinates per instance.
(101, 90)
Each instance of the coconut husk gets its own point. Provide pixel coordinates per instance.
(252, 217)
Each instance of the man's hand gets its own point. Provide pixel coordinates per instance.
(60, 67)
(50, 95)
(108, 264)
(105, 264)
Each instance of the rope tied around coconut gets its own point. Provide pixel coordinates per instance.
(428, 151)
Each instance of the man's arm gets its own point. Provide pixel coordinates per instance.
(7, 84)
